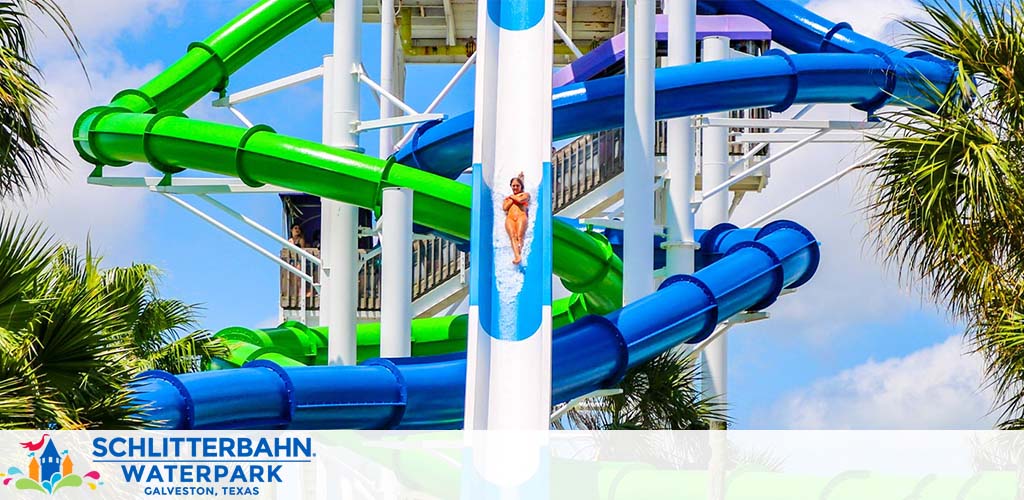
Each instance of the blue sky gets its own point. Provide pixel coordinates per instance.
(854, 348)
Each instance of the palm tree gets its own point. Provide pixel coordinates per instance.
(25, 154)
(947, 199)
(73, 336)
(659, 394)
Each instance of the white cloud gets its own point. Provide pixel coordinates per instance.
(99, 23)
(939, 387)
(69, 207)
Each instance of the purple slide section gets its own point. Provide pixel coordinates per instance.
(614, 50)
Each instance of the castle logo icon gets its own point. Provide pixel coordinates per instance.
(48, 470)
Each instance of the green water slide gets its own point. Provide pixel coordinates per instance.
(295, 344)
(147, 125)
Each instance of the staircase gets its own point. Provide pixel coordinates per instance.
(586, 182)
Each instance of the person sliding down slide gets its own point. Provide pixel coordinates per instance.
(515, 206)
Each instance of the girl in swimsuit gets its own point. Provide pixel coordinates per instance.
(515, 207)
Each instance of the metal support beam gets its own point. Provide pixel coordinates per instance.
(761, 164)
(339, 221)
(385, 124)
(860, 163)
(573, 403)
(449, 22)
(242, 239)
(567, 40)
(388, 96)
(387, 64)
(715, 210)
(241, 117)
(638, 133)
(186, 185)
(259, 227)
(440, 97)
(789, 138)
(270, 87)
(682, 167)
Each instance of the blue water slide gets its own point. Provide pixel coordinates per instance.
(842, 67)
(750, 269)
(608, 57)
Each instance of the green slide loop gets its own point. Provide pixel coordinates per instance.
(128, 131)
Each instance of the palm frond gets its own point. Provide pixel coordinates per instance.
(26, 156)
(662, 393)
(947, 197)
(24, 254)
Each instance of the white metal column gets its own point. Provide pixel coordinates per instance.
(396, 261)
(387, 64)
(340, 221)
(715, 210)
(638, 254)
(682, 49)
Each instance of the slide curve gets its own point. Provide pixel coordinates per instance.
(146, 125)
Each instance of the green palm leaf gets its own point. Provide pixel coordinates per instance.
(947, 197)
(25, 154)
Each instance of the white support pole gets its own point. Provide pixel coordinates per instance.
(638, 255)
(682, 168)
(340, 221)
(387, 64)
(396, 287)
(715, 210)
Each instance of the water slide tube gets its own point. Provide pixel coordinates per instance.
(608, 57)
(295, 344)
(146, 125)
(428, 392)
(843, 68)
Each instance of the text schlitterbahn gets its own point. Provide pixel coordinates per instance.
(202, 465)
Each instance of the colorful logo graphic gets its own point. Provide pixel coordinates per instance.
(48, 470)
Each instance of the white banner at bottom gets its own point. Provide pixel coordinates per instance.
(724, 465)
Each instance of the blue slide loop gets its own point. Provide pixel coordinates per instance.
(147, 140)
(826, 41)
(189, 414)
(794, 82)
(289, 388)
(886, 93)
(778, 274)
(240, 152)
(403, 393)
